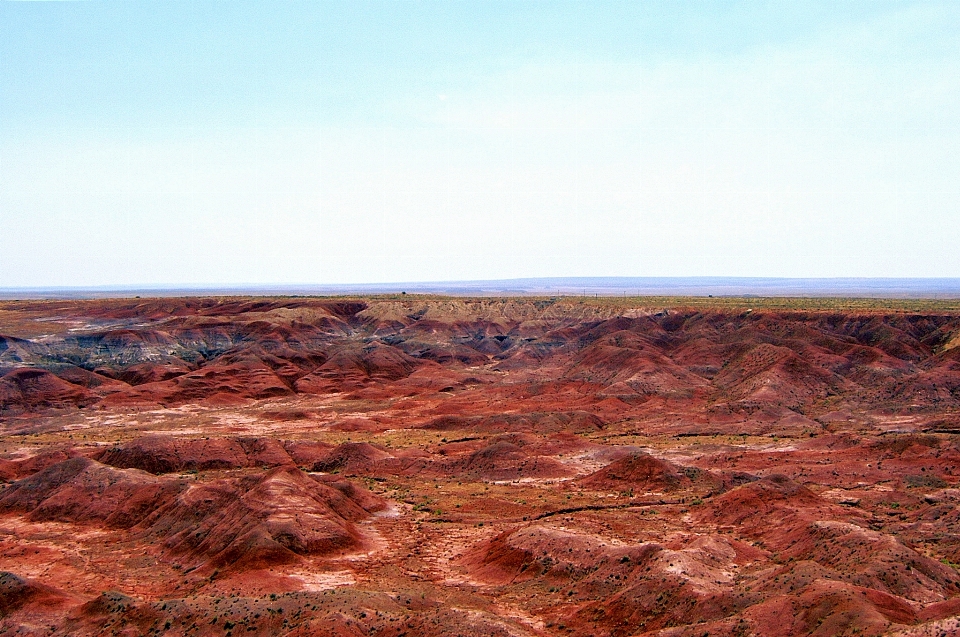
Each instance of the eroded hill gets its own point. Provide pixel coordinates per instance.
(393, 466)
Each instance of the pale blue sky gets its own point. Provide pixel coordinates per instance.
(169, 143)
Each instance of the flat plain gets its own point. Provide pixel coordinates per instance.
(421, 465)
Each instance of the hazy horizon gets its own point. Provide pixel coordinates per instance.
(889, 288)
(226, 144)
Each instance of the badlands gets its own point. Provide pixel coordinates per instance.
(413, 465)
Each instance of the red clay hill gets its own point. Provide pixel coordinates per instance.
(504, 466)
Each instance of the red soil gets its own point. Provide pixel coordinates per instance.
(477, 467)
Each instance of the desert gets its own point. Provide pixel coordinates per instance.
(519, 466)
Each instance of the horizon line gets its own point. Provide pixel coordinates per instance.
(694, 286)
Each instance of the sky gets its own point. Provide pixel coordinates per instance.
(243, 143)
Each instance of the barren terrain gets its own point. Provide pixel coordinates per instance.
(520, 466)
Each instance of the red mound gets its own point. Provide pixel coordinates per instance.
(374, 362)
(505, 461)
(248, 522)
(639, 471)
(17, 592)
(355, 424)
(771, 374)
(351, 458)
(90, 380)
(248, 378)
(152, 372)
(628, 359)
(828, 608)
(31, 389)
(868, 559)
(768, 503)
(790, 519)
(612, 586)
(556, 554)
(166, 454)
(264, 452)
(261, 520)
(306, 452)
(538, 422)
(15, 469)
(335, 613)
(443, 353)
(82, 490)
